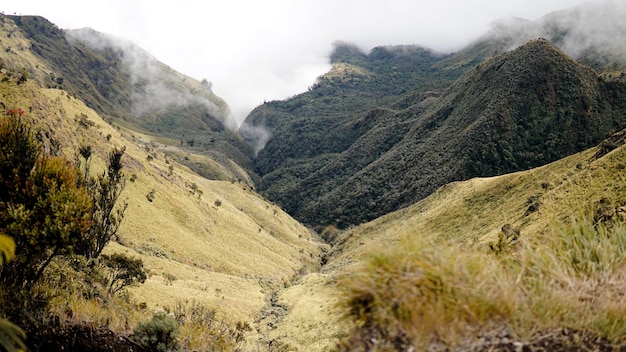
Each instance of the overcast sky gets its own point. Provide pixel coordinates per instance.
(254, 50)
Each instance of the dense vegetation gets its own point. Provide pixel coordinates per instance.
(519, 110)
(329, 117)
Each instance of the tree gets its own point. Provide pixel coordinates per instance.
(104, 192)
(123, 271)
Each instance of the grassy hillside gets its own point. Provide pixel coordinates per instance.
(128, 87)
(217, 244)
(443, 273)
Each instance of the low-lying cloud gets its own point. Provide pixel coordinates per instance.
(157, 86)
(597, 27)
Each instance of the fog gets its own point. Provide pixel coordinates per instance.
(156, 85)
(255, 51)
(591, 27)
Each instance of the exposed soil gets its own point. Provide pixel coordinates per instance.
(80, 338)
(560, 340)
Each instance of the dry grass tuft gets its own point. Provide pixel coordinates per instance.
(419, 292)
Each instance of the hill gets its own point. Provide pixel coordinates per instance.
(304, 142)
(129, 88)
(521, 109)
(516, 261)
(484, 288)
(213, 247)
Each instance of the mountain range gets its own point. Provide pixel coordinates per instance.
(383, 130)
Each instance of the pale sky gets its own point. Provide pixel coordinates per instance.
(254, 51)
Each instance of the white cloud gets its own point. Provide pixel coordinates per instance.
(263, 50)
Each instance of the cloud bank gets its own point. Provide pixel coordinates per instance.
(254, 51)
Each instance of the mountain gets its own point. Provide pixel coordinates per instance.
(323, 120)
(382, 130)
(522, 260)
(129, 88)
(519, 110)
(212, 247)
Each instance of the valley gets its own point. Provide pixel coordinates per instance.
(409, 200)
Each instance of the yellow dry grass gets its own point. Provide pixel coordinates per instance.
(16, 52)
(313, 323)
(427, 270)
(216, 243)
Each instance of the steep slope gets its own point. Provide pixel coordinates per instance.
(127, 86)
(327, 119)
(590, 33)
(307, 162)
(459, 221)
(521, 109)
(209, 243)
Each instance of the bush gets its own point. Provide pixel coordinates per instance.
(123, 271)
(159, 334)
(202, 330)
(104, 190)
(42, 206)
(571, 276)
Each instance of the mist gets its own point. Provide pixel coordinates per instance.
(260, 51)
(597, 28)
(157, 86)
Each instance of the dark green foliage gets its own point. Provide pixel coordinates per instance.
(122, 271)
(522, 109)
(334, 112)
(159, 334)
(42, 206)
(104, 191)
(18, 153)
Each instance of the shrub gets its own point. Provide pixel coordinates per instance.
(202, 330)
(123, 271)
(104, 191)
(151, 195)
(42, 205)
(83, 121)
(169, 278)
(159, 334)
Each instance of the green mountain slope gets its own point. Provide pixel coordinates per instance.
(325, 120)
(519, 110)
(329, 155)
